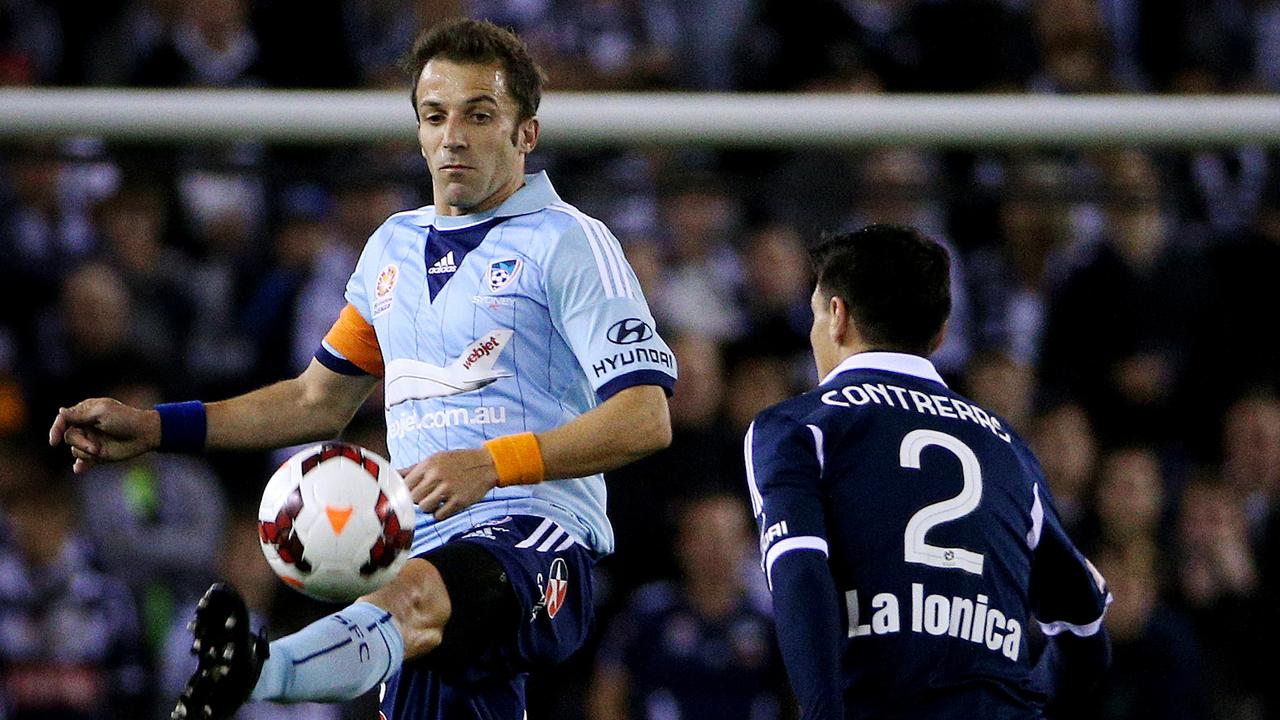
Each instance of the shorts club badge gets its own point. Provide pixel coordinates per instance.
(554, 591)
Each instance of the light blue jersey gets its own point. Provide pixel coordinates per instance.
(514, 320)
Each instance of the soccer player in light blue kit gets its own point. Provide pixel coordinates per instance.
(519, 362)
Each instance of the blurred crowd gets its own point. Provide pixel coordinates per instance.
(1115, 306)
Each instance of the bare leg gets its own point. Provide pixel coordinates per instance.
(419, 605)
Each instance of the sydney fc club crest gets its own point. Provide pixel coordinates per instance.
(503, 272)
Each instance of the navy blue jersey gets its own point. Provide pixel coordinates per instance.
(941, 540)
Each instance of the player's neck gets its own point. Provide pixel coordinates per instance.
(842, 352)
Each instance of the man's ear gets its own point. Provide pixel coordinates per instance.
(527, 135)
(838, 322)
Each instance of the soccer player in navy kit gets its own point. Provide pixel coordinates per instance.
(907, 534)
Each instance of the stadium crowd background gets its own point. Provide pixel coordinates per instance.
(1116, 306)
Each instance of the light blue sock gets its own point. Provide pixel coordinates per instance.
(339, 657)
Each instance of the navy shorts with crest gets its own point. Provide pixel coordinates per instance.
(521, 592)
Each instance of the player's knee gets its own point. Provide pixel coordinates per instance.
(419, 606)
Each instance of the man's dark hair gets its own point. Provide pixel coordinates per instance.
(480, 42)
(896, 282)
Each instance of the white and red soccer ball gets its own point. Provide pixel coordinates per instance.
(336, 521)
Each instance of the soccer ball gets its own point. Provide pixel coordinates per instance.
(336, 521)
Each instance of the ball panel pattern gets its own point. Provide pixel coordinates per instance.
(283, 534)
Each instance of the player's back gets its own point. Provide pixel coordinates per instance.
(933, 512)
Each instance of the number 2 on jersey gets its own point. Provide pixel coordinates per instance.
(916, 550)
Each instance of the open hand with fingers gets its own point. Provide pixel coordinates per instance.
(104, 430)
(451, 481)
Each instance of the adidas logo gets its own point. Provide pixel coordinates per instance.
(443, 265)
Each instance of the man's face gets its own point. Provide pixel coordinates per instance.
(470, 138)
(825, 350)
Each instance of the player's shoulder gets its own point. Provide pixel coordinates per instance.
(564, 227)
(797, 411)
(810, 406)
(567, 216)
(404, 226)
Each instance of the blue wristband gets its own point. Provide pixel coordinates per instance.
(183, 426)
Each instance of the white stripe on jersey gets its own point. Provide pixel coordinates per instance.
(567, 542)
(1037, 518)
(817, 443)
(782, 547)
(757, 503)
(616, 260)
(536, 535)
(612, 285)
(601, 264)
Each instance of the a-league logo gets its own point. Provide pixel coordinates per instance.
(382, 289)
(386, 280)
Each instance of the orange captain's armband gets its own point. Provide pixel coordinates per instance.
(356, 339)
(517, 458)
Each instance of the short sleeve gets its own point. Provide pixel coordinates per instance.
(784, 477)
(596, 304)
(1067, 591)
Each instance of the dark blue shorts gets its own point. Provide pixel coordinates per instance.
(531, 608)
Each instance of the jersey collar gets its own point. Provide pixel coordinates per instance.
(535, 194)
(893, 362)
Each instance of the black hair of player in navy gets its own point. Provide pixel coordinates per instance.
(895, 280)
(464, 40)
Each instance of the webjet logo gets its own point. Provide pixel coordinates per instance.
(453, 417)
(476, 367)
(482, 349)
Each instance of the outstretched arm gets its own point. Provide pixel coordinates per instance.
(316, 405)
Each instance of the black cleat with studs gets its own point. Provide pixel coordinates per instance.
(230, 657)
